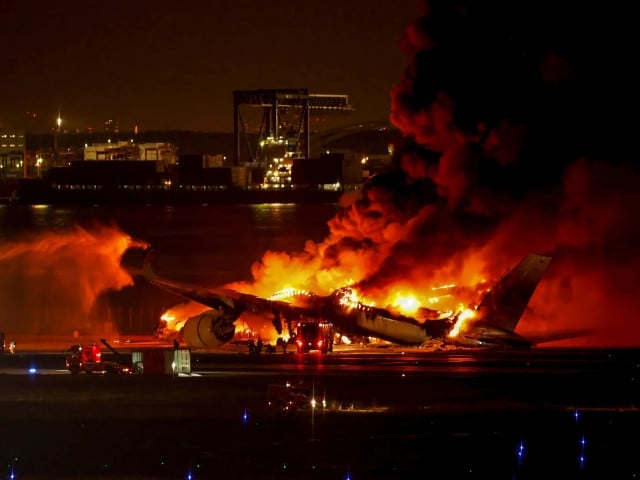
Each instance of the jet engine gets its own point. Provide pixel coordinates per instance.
(209, 329)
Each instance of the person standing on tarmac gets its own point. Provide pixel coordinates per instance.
(282, 343)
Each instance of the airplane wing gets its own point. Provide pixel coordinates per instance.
(232, 302)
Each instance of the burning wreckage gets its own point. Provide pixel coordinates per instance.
(491, 324)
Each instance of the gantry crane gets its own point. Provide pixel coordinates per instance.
(275, 135)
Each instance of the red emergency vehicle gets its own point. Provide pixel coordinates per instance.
(88, 359)
(314, 336)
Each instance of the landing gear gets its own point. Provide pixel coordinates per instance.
(277, 322)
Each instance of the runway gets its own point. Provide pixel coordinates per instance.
(389, 413)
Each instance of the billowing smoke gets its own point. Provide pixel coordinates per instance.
(515, 139)
(49, 282)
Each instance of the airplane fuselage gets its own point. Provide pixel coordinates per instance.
(488, 336)
(499, 312)
(365, 320)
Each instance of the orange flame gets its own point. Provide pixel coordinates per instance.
(175, 317)
(465, 315)
(247, 326)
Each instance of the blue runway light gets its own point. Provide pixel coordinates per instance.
(581, 458)
(33, 370)
(12, 471)
(520, 452)
(245, 416)
(348, 476)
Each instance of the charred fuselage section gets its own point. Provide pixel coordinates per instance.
(356, 317)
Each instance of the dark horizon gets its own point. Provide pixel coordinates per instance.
(158, 65)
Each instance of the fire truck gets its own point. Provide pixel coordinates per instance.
(88, 359)
(314, 336)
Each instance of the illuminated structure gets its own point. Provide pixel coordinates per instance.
(165, 153)
(279, 139)
(55, 138)
(12, 153)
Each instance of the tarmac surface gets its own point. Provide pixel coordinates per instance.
(382, 413)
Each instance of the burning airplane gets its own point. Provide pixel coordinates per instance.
(491, 324)
(514, 139)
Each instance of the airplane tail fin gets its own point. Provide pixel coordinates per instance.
(503, 306)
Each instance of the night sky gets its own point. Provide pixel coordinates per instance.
(173, 65)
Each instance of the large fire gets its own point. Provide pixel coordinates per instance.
(247, 326)
(513, 142)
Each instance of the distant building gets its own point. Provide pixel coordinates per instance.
(12, 153)
(187, 167)
(164, 154)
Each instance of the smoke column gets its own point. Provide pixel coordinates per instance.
(515, 140)
(49, 282)
(515, 113)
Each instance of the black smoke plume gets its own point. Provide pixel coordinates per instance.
(518, 124)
